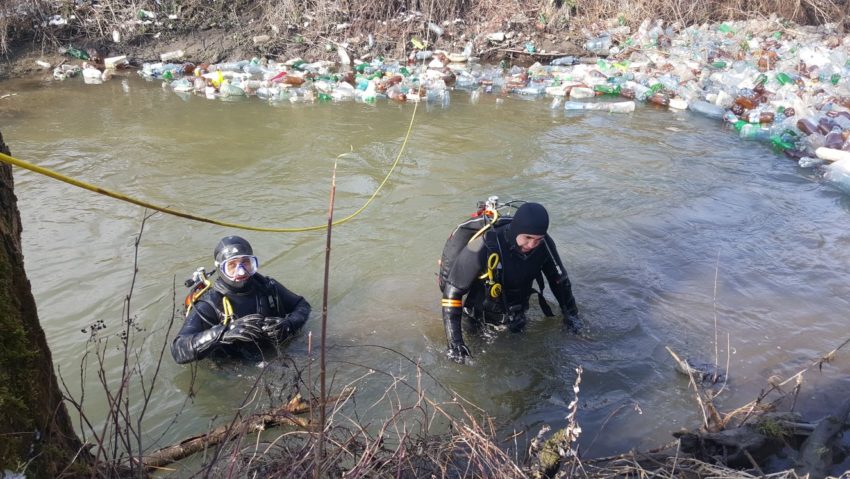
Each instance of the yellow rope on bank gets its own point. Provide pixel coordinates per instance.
(182, 214)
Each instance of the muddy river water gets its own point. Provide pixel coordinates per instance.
(675, 234)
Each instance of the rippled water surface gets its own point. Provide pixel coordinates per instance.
(674, 232)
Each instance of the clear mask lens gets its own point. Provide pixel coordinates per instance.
(239, 268)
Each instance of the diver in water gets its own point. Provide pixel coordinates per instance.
(496, 271)
(241, 312)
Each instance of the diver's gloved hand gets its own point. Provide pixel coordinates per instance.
(277, 328)
(242, 330)
(516, 321)
(458, 352)
(186, 349)
(573, 323)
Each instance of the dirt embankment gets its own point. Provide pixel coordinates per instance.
(521, 34)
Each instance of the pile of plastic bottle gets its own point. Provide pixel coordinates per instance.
(786, 85)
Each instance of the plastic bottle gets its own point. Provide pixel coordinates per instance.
(806, 126)
(613, 107)
(604, 89)
(75, 52)
(834, 139)
(581, 92)
(708, 109)
(394, 93)
(564, 61)
(759, 116)
(831, 154)
(659, 99)
(751, 131)
(781, 143)
(745, 102)
(678, 104)
(783, 78)
(600, 45)
(838, 174)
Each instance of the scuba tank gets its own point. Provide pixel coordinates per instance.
(488, 215)
(198, 284)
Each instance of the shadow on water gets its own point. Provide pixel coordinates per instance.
(667, 223)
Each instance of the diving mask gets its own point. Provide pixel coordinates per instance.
(239, 268)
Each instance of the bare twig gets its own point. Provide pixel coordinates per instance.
(323, 351)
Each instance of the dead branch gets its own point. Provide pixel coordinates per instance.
(254, 423)
(711, 418)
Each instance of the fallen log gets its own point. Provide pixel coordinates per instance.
(256, 422)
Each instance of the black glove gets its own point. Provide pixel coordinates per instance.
(190, 348)
(572, 323)
(276, 328)
(244, 329)
(516, 319)
(458, 352)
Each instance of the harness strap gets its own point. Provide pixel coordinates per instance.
(193, 297)
(228, 310)
(544, 305)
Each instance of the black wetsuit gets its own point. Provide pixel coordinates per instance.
(201, 332)
(516, 273)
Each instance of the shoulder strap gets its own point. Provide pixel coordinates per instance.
(544, 305)
(269, 289)
(215, 303)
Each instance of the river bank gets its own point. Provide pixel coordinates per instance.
(507, 83)
(772, 80)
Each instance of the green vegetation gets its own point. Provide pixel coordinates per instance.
(773, 429)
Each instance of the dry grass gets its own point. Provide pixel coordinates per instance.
(382, 27)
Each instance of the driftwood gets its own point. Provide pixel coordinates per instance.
(739, 447)
(816, 453)
(256, 422)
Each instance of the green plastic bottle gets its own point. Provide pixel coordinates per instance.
(783, 78)
(76, 53)
(780, 143)
(607, 89)
(740, 124)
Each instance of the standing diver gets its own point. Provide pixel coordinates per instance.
(496, 269)
(241, 312)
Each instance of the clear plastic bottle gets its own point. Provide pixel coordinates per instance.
(750, 131)
(600, 45)
(707, 109)
(611, 107)
(581, 92)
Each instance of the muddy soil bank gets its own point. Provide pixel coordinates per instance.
(519, 41)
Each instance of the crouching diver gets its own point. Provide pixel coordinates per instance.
(241, 312)
(495, 271)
